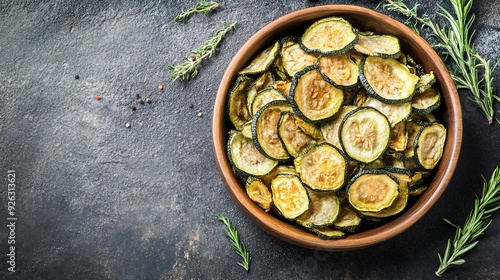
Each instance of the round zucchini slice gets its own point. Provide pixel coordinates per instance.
(323, 211)
(237, 100)
(395, 113)
(364, 134)
(294, 139)
(265, 96)
(263, 61)
(339, 70)
(259, 193)
(387, 80)
(429, 144)
(397, 206)
(312, 98)
(348, 220)
(322, 167)
(265, 129)
(385, 46)
(329, 36)
(294, 59)
(245, 157)
(330, 127)
(426, 101)
(289, 196)
(372, 190)
(264, 81)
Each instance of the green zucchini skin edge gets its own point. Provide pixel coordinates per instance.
(293, 86)
(241, 174)
(416, 145)
(241, 79)
(255, 121)
(370, 91)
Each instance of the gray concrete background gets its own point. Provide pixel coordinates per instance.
(95, 200)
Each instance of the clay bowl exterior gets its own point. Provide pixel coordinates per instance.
(364, 19)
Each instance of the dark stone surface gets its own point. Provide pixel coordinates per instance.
(97, 200)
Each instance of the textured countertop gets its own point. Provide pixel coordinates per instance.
(97, 200)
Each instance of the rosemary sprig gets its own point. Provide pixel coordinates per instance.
(456, 41)
(189, 68)
(239, 247)
(477, 222)
(202, 7)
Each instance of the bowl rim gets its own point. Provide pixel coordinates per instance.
(291, 233)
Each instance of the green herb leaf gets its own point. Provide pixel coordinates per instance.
(201, 7)
(239, 247)
(189, 68)
(470, 70)
(477, 222)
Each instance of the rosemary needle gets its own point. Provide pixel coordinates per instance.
(239, 247)
(201, 7)
(456, 41)
(189, 68)
(477, 222)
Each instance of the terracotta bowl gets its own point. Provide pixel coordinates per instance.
(364, 19)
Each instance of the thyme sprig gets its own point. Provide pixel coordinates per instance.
(470, 70)
(189, 68)
(239, 247)
(201, 7)
(477, 222)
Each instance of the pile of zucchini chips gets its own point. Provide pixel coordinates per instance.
(334, 130)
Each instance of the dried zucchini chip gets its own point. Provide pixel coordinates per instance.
(372, 190)
(425, 81)
(323, 211)
(330, 127)
(328, 233)
(397, 206)
(245, 157)
(265, 129)
(280, 169)
(395, 113)
(294, 59)
(329, 36)
(294, 139)
(348, 220)
(322, 167)
(265, 96)
(365, 134)
(259, 193)
(412, 129)
(399, 137)
(263, 61)
(385, 46)
(313, 98)
(289, 196)
(387, 80)
(237, 100)
(429, 144)
(339, 70)
(264, 81)
(283, 86)
(426, 101)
